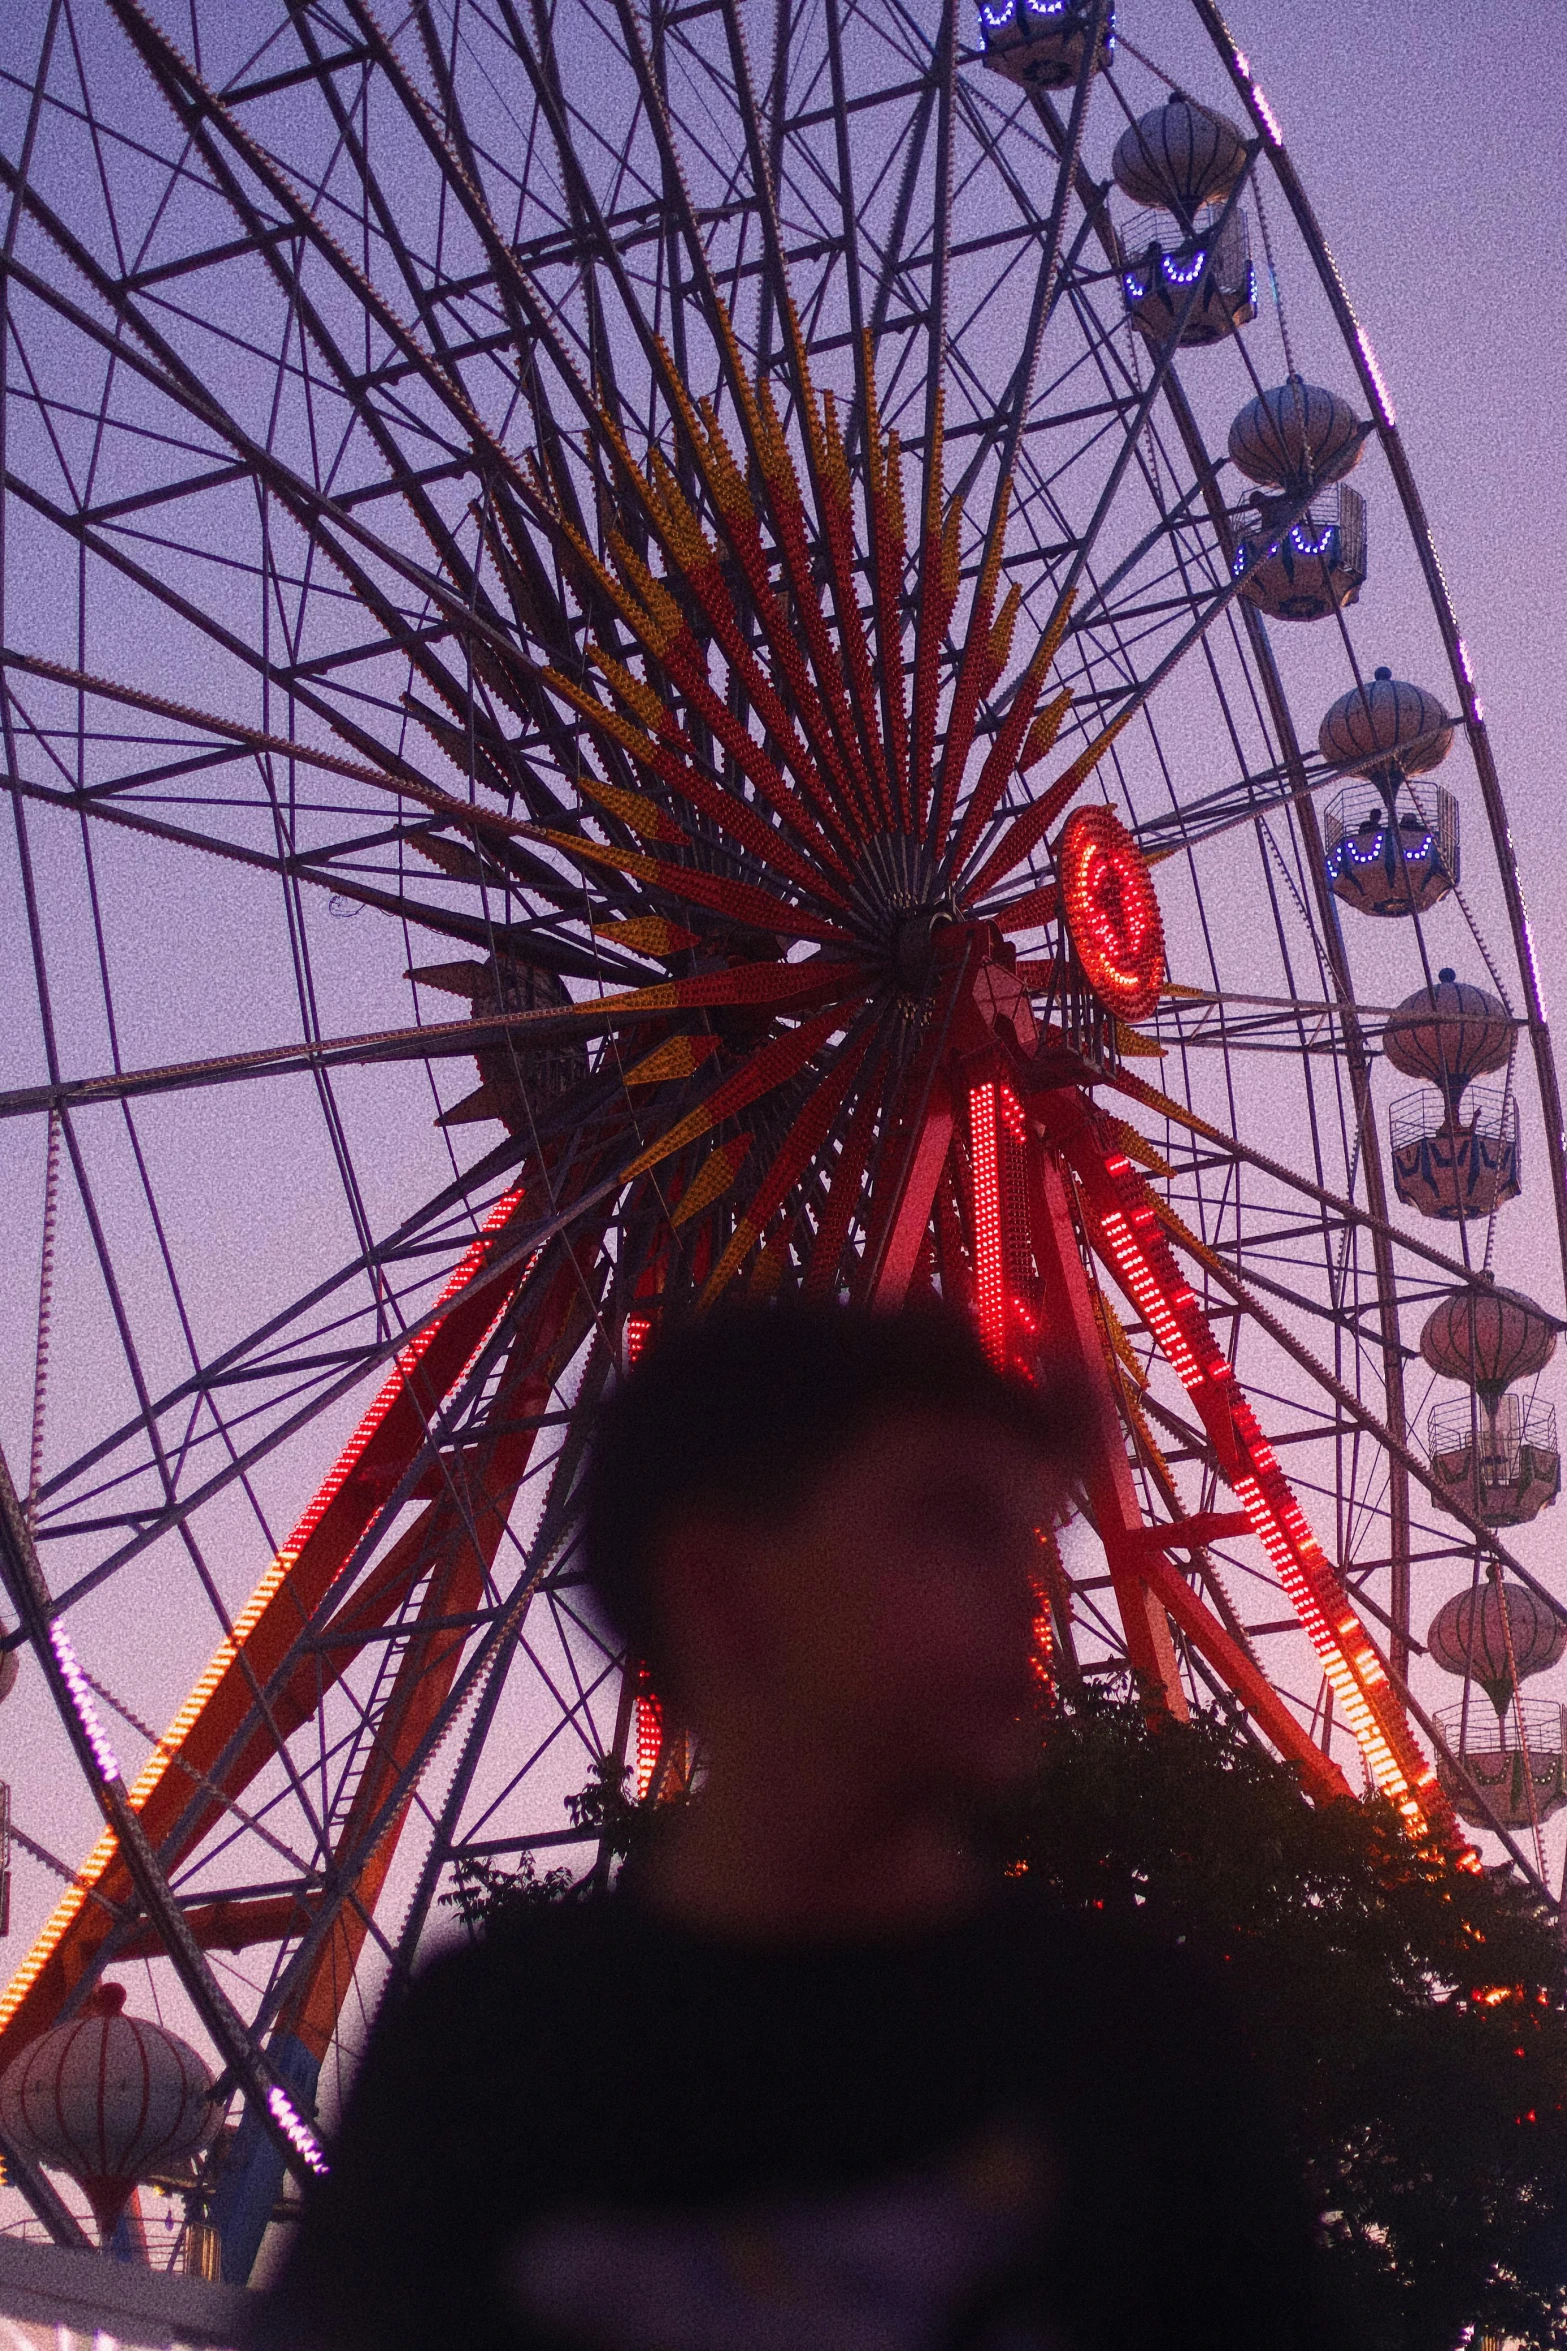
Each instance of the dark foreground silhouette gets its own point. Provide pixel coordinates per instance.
(803, 2082)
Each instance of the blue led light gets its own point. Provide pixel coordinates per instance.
(1323, 547)
(1178, 276)
(1183, 268)
(1345, 854)
(1020, 13)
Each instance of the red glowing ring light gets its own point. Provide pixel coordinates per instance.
(1112, 913)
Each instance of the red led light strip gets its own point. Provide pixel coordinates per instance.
(1112, 912)
(407, 1360)
(1134, 1242)
(1042, 1658)
(989, 1265)
(649, 1737)
(1011, 1140)
(638, 1331)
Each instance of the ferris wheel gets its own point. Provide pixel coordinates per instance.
(666, 651)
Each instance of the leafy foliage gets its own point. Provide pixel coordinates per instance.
(486, 1897)
(1411, 2013)
(607, 1810)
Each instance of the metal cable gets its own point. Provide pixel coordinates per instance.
(1277, 283)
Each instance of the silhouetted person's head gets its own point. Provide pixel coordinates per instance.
(820, 1528)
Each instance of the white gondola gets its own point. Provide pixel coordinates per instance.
(1504, 1465)
(1391, 859)
(1304, 565)
(1162, 260)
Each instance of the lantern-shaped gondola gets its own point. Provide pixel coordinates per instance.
(1304, 563)
(1487, 1635)
(1488, 1337)
(1040, 43)
(1449, 1034)
(1391, 854)
(1304, 557)
(1498, 1636)
(1496, 1452)
(1179, 158)
(1390, 850)
(1181, 163)
(1296, 437)
(1455, 1151)
(1388, 730)
(108, 2098)
(1456, 1165)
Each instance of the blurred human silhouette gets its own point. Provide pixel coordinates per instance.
(805, 2080)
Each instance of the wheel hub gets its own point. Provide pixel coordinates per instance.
(902, 908)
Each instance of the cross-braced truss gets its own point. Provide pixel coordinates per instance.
(663, 515)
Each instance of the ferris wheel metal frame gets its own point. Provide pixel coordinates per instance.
(806, 1047)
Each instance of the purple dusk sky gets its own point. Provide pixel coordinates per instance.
(1430, 138)
(1433, 149)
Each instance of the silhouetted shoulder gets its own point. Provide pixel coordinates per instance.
(597, 2060)
(452, 2126)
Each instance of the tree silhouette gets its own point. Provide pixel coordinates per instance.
(1410, 2014)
